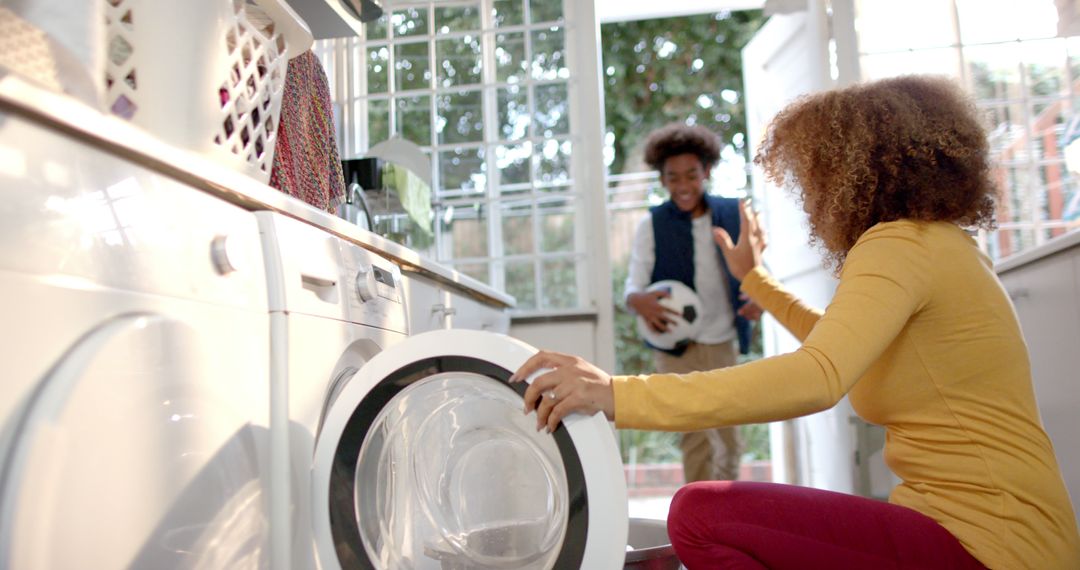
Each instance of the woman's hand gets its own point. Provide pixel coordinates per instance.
(647, 305)
(572, 385)
(744, 256)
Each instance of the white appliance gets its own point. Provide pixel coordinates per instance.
(414, 452)
(333, 306)
(134, 405)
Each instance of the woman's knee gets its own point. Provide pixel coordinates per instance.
(696, 505)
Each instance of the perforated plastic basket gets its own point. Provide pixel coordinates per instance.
(206, 75)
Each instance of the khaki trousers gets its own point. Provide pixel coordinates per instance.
(712, 454)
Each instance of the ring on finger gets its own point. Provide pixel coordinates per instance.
(551, 395)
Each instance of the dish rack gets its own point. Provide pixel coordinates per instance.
(204, 75)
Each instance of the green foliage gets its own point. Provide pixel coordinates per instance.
(647, 447)
(755, 438)
(676, 69)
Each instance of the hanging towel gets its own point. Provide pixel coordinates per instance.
(414, 193)
(306, 161)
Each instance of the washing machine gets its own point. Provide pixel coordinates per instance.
(333, 307)
(413, 452)
(134, 406)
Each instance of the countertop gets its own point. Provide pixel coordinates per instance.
(1060, 243)
(20, 97)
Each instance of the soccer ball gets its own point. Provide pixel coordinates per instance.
(686, 325)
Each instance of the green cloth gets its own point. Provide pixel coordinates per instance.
(414, 193)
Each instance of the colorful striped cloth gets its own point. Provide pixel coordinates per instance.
(306, 161)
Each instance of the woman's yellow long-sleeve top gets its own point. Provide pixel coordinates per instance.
(923, 339)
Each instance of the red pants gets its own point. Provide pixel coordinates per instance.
(743, 525)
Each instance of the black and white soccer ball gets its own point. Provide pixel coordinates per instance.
(687, 324)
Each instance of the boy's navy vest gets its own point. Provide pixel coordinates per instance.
(675, 254)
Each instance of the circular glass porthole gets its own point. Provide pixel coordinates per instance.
(437, 467)
(453, 473)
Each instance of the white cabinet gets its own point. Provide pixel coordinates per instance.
(469, 313)
(1046, 293)
(433, 305)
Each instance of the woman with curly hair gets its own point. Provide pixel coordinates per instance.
(920, 335)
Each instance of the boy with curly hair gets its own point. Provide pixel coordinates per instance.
(675, 242)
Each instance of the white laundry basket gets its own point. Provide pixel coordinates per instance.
(205, 75)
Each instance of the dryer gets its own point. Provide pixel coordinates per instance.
(413, 452)
(134, 406)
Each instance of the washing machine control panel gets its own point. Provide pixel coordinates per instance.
(375, 297)
(374, 282)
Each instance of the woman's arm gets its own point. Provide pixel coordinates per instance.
(886, 279)
(797, 317)
(884, 282)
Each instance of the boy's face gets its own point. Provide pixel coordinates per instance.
(684, 177)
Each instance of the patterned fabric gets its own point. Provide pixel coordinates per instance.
(306, 161)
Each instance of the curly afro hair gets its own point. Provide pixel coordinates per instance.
(902, 148)
(678, 138)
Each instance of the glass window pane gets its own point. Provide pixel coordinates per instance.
(1048, 129)
(549, 54)
(558, 280)
(994, 72)
(460, 117)
(457, 19)
(545, 10)
(944, 61)
(1043, 63)
(552, 115)
(517, 228)
(895, 26)
(1072, 45)
(508, 12)
(513, 103)
(378, 120)
(462, 170)
(377, 29)
(521, 283)
(412, 70)
(513, 163)
(410, 22)
(510, 65)
(459, 61)
(983, 21)
(553, 162)
(414, 118)
(478, 271)
(464, 231)
(557, 226)
(378, 69)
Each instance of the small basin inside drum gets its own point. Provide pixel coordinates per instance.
(510, 545)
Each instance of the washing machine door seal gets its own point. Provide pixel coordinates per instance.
(458, 366)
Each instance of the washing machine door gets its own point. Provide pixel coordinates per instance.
(426, 461)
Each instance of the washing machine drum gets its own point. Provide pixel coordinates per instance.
(425, 460)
